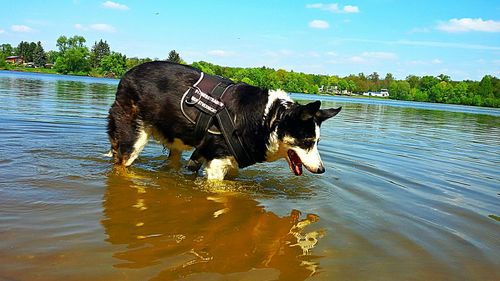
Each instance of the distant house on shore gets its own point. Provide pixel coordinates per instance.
(333, 90)
(14, 59)
(383, 94)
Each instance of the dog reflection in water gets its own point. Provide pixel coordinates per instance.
(171, 232)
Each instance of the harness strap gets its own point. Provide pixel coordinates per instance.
(209, 106)
(233, 139)
(204, 121)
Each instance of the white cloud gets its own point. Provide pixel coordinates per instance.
(220, 53)
(351, 9)
(314, 6)
(356, 59)
(320, 24)
(279, 53)
(426, 62)
(421, 43)
(334, 8)
(446, 45)
(115, 6)
(103, 27)
(21, 28)
(2, 31)
(365, 58)
(380, 55)
(469, 24)
(80, 27)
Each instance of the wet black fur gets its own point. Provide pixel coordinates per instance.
(152, 92)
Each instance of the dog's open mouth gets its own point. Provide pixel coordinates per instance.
(294, 162)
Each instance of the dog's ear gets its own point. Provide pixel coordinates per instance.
(309, 110)
(324, 114)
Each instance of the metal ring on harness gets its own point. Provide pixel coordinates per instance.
(196, 91)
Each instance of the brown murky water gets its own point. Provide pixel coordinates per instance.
(411, 192)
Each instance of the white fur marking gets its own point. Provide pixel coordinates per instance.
(311, 158)
(139, 144)
(217, 169)
(274, 147)
(273, 96)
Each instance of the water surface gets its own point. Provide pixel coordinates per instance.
(411, 192)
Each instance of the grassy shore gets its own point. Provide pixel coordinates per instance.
(28, 69)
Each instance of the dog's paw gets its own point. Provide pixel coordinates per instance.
(193, 165)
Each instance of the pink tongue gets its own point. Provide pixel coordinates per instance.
(298, 169)
(296, 164)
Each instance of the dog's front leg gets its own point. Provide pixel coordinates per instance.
(217, 169)
(195, 161)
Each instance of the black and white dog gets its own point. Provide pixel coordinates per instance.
(270, 124)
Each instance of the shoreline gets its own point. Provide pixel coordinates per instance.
(53, 72)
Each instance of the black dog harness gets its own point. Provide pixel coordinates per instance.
(206, 96)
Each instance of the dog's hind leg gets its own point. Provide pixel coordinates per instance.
(174, 158)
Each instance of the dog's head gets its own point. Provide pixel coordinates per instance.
(298, 134)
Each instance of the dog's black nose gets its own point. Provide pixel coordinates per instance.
(320, 170)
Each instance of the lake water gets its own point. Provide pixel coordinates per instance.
(411, 192)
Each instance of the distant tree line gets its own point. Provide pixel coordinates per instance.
(74, 57)
(438, 89)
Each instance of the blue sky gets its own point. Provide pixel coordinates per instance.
(457, 38)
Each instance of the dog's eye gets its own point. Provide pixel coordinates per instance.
(307, 144)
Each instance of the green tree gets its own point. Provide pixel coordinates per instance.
(413, 80)
(76, 41)
(114, 65)
(7, 50)
(131, 62)
(98, 52)
(30, 57)
(74, 56)
(444, 78)
(427, 82)
(62, 44)
(374, 80)
(39, 56)
(400, 90)
(24, 50)
(75, 60)
(459, 93)
(343, 85)
(351, 86)
(441, 92)
(173, 56)
(204, 66)
(388, 80)
(52, 56)
(486, 87)
(419, 95)
(2, 60)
